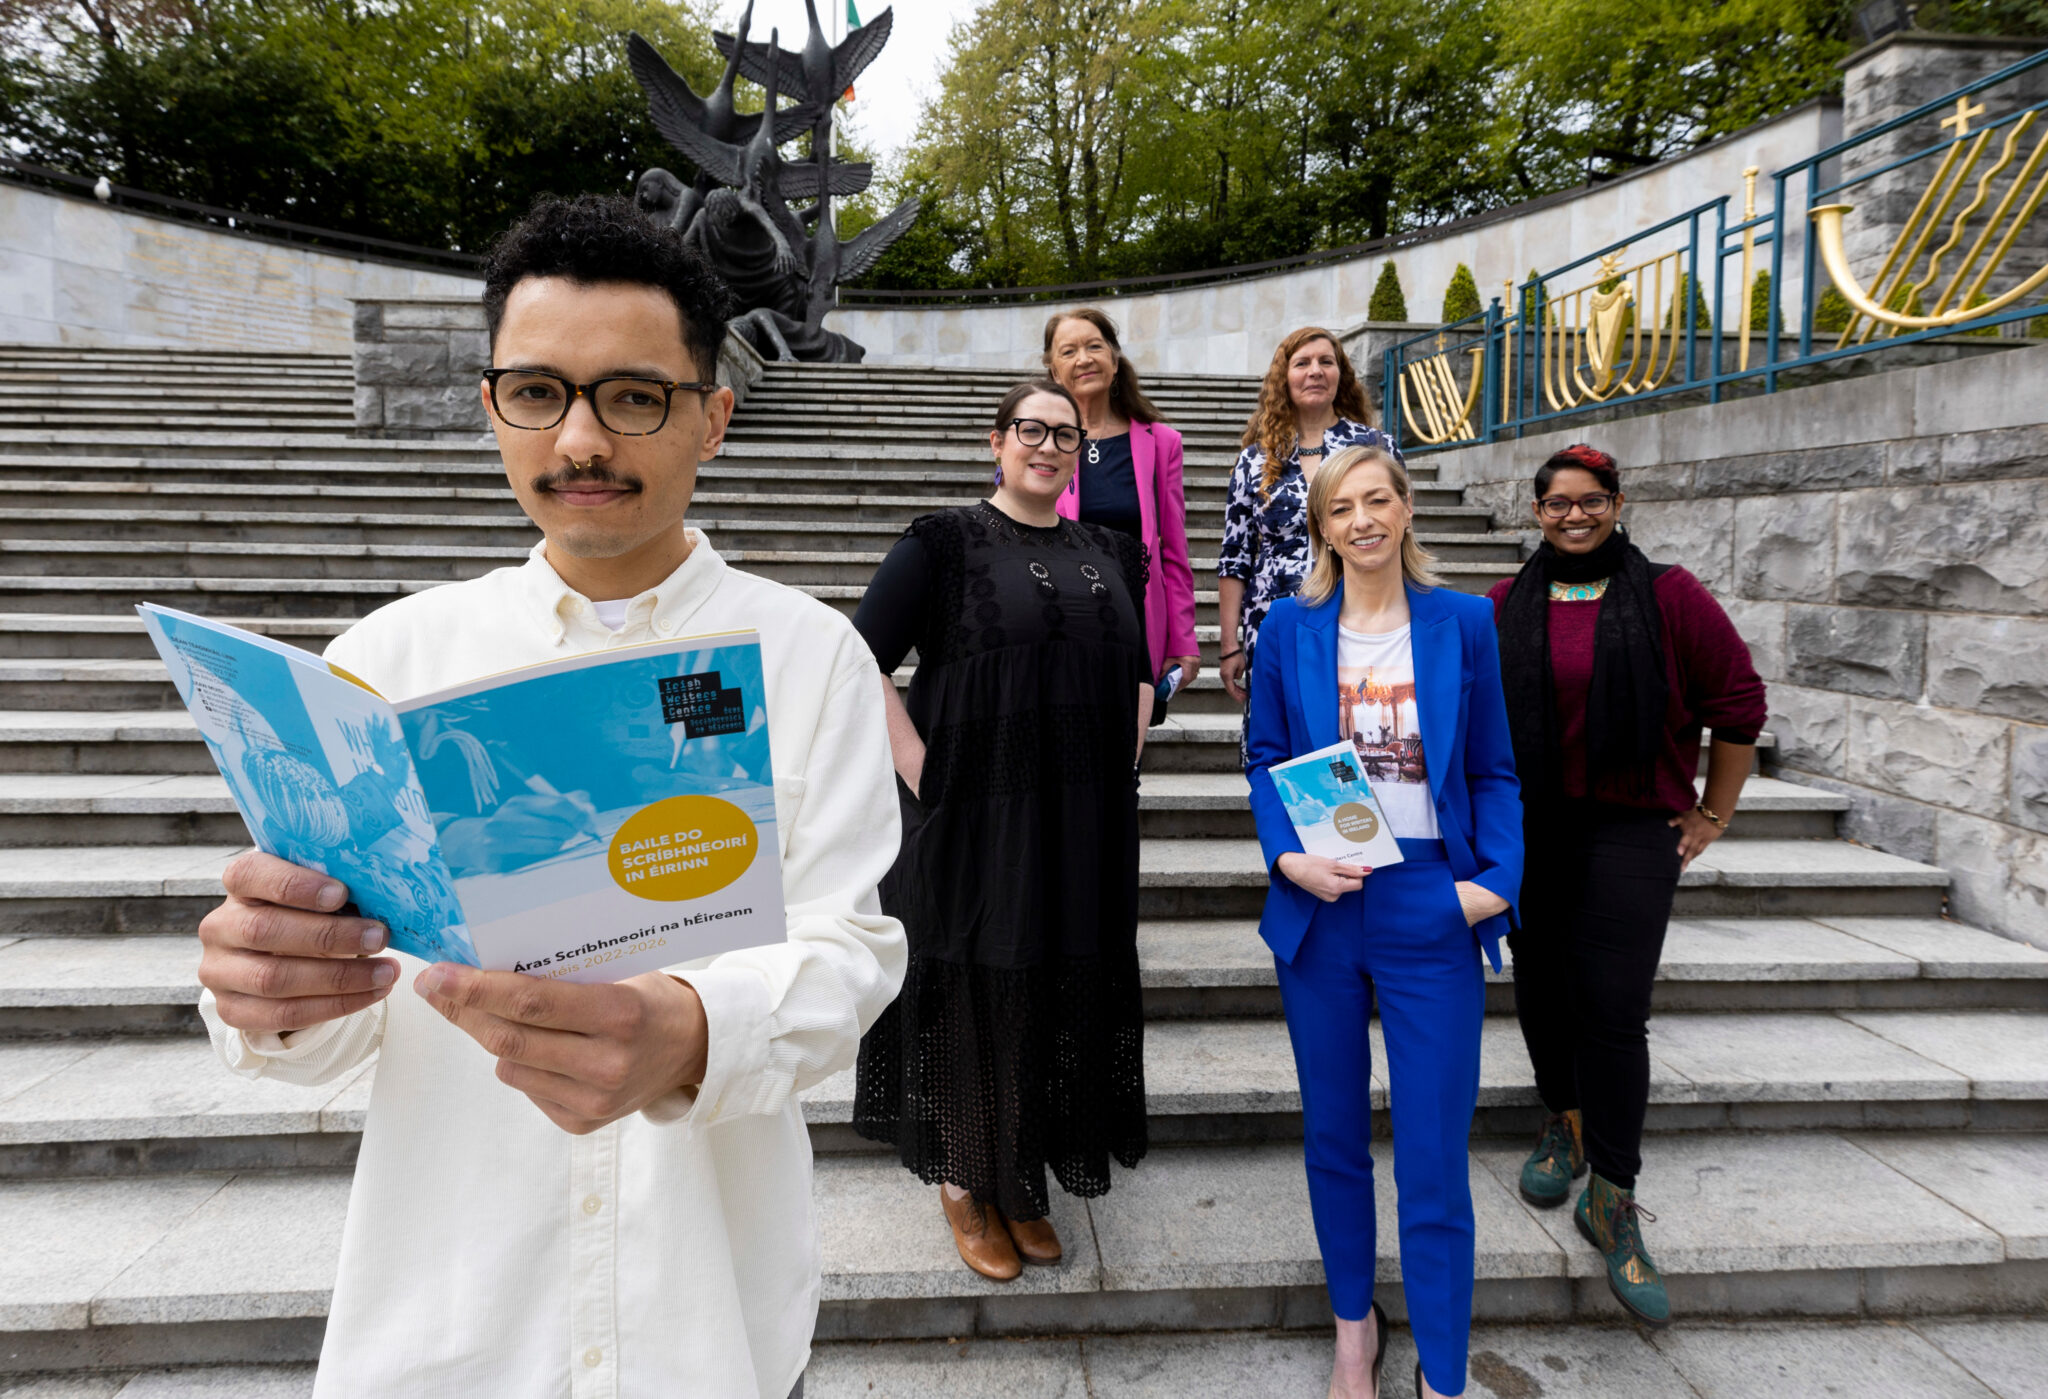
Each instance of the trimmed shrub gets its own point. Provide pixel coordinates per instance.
(1388, 303)
(1674, 316)
(1760, 305)
(1461, 298)
(1831, 313)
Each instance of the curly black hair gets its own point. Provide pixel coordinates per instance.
(605, 238)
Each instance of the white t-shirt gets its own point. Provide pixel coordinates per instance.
(1376, 711)
(612, 615)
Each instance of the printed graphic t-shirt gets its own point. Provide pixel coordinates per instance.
(1376, 711)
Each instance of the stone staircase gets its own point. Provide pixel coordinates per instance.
(1849, 1110)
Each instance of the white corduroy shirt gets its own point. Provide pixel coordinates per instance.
(674, 1253)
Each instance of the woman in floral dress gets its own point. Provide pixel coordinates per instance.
(1310, 406)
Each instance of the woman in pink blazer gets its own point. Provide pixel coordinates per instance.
(1129, 477)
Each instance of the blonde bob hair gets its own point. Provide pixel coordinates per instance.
(1418, 565)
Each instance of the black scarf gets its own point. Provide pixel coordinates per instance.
(1626, 701)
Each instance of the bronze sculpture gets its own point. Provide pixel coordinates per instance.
(737, 212)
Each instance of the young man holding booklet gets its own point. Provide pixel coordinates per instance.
(574, 1189)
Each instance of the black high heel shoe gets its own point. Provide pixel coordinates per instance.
(1379, 1355)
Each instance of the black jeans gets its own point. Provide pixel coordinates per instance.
(1596, 899)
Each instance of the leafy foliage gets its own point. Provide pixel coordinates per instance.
(429, 121)
(1387, 304)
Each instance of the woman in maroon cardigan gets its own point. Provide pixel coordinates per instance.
(1611, 666)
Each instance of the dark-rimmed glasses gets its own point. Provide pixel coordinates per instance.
(629, 407)
(1032, 433)
(1557, 506)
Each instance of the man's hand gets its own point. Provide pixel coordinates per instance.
(279, 957)
(1322, 876)
(585, 1055)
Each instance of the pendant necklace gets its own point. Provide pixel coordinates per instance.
(1094, 453)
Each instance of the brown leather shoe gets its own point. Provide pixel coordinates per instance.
(1035, 1240)
(979, 1235)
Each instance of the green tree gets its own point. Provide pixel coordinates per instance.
(428, 121)
(1388, 304)
(1461, 298)
(1610, 85)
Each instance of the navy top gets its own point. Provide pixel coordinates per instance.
(1109, 488)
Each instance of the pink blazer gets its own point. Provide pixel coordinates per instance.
(1163, 512)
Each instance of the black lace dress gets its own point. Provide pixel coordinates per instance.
(1018, 1040)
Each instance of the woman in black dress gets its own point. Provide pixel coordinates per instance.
(1017, 1042)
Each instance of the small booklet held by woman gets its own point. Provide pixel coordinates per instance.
(586, 819)
(1333, 807)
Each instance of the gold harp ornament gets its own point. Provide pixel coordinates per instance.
(1895, 280)
(1446, 410)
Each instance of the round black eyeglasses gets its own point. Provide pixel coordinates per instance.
(629, 407)
(1557, 506)
(1032, 433)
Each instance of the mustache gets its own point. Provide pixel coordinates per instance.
(596, 474)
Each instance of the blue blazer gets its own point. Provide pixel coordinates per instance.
(1465, 742)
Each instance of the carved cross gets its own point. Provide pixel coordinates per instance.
(1961, 120)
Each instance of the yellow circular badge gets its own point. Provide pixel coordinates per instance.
(1355, 821)
(683, 848)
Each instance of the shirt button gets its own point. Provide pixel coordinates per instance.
(592, 1204)
(667, 627)
(593, 1357)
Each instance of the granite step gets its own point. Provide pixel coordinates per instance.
(789, 522)
(1947, 1358)
(1200, 969)
(154, 888)
(1217, 805)
(771, 471)
(345, 597)
(131, 1272)
(1732, 878)
(136, 808)
(42, 420)
(85, 1107)
(54, 636)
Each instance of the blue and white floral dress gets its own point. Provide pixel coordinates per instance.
(1265, 537)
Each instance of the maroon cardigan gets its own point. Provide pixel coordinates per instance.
(1706, 662)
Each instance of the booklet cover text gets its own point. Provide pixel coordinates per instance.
(586, 819)
(1332, 806)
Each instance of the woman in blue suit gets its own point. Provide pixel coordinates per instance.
(1372, 651)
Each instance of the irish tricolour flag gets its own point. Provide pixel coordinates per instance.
(852, 23)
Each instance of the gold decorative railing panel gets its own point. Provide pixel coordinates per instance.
(1584, 333)
(1446, 414)
(1895, 297)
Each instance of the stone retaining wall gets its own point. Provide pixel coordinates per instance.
(1882, 542)
(75, 272)
(418, 364)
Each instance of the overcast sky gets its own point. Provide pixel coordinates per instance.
(891, 93)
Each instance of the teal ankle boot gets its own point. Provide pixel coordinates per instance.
(1559, 1159)
(1608, 1216)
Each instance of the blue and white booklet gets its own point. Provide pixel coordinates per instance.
(586, 819)
(1331, 803)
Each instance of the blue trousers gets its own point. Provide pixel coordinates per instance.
(1402, 942)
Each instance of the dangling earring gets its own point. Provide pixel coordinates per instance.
(999, 475)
